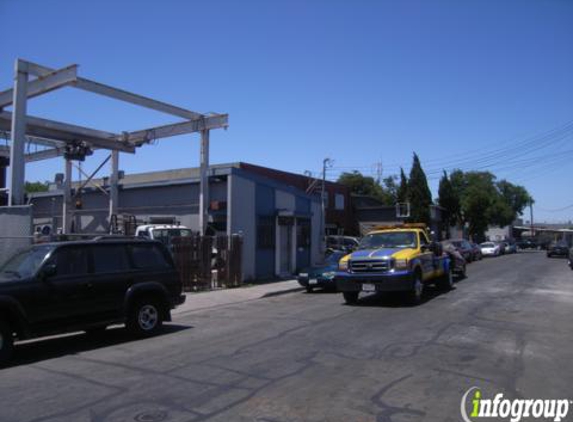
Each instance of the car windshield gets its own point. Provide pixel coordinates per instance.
(25, 263)
(487, 245)
(165, 235)
(389, 240)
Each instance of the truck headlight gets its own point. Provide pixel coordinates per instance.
(343, 266)
(401, 264)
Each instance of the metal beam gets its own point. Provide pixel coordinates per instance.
(44, 154)
(43, 84)
(66, 132)
(205, 123)
(118, 94)
(129, 97)
(18, 132)
(90, 178)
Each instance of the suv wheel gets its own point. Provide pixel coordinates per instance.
(144, 318)
(351, 298)
(6, 342)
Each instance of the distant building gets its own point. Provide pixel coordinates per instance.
(370, 212)
(278, 219)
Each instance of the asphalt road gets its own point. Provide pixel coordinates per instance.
(507, 328)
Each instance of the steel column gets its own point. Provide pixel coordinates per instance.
(204, 185)
(113, 184)
(67, 202)
(18, 131)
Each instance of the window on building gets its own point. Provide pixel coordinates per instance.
(339, 201)
(266, 232)
(303, 233)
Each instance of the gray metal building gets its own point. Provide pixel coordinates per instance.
(280, 224)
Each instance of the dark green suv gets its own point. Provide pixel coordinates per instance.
(86, 286)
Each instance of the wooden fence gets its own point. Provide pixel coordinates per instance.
(208, 263)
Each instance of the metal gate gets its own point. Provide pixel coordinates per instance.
(208, 263)
(15, 230)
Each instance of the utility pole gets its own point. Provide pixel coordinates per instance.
(531, 219)
(326, 162)
(379, 172)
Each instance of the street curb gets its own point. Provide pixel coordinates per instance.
(282, 292)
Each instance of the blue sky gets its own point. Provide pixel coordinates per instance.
(462, 83)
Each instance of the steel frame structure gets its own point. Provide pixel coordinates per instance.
(54, 137)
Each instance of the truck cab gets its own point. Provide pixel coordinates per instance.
(394, 259)
(162, 232)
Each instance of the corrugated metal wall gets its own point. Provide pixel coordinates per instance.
(15, 230)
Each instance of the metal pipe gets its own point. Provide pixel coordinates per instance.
(204, 183)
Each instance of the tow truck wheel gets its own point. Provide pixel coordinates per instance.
(415, 295)
(351, 298)
(446, 282)
(463, 273)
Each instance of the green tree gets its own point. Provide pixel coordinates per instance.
(449, 199)
(402, 191)
(419, 195)
(515, 196)
(485, 202)
(366, 185)
(391, 189)
(31, 187)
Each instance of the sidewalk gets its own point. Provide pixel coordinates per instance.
(212, 299)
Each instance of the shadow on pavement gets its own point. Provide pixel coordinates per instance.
(398, 299)
(37, 350)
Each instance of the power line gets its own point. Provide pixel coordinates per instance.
(555, 210)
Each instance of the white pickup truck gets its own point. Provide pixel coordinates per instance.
(162, 232)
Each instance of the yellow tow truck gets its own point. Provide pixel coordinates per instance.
(397, 258)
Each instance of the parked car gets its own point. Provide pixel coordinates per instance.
(558, 249)
(511, 247)
(322, 275)
(570, 258)
(476, 251)
(527, 244)
(342, 243)
(62, 287)
(464, 248)
(502, 247)
(457, 261)
(490, 249)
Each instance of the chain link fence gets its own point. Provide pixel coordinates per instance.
(15, 230)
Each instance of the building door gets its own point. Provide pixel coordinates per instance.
(286, 249)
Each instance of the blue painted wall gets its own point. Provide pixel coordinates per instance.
(265, 206)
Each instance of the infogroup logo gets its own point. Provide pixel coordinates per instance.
(513, 410)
